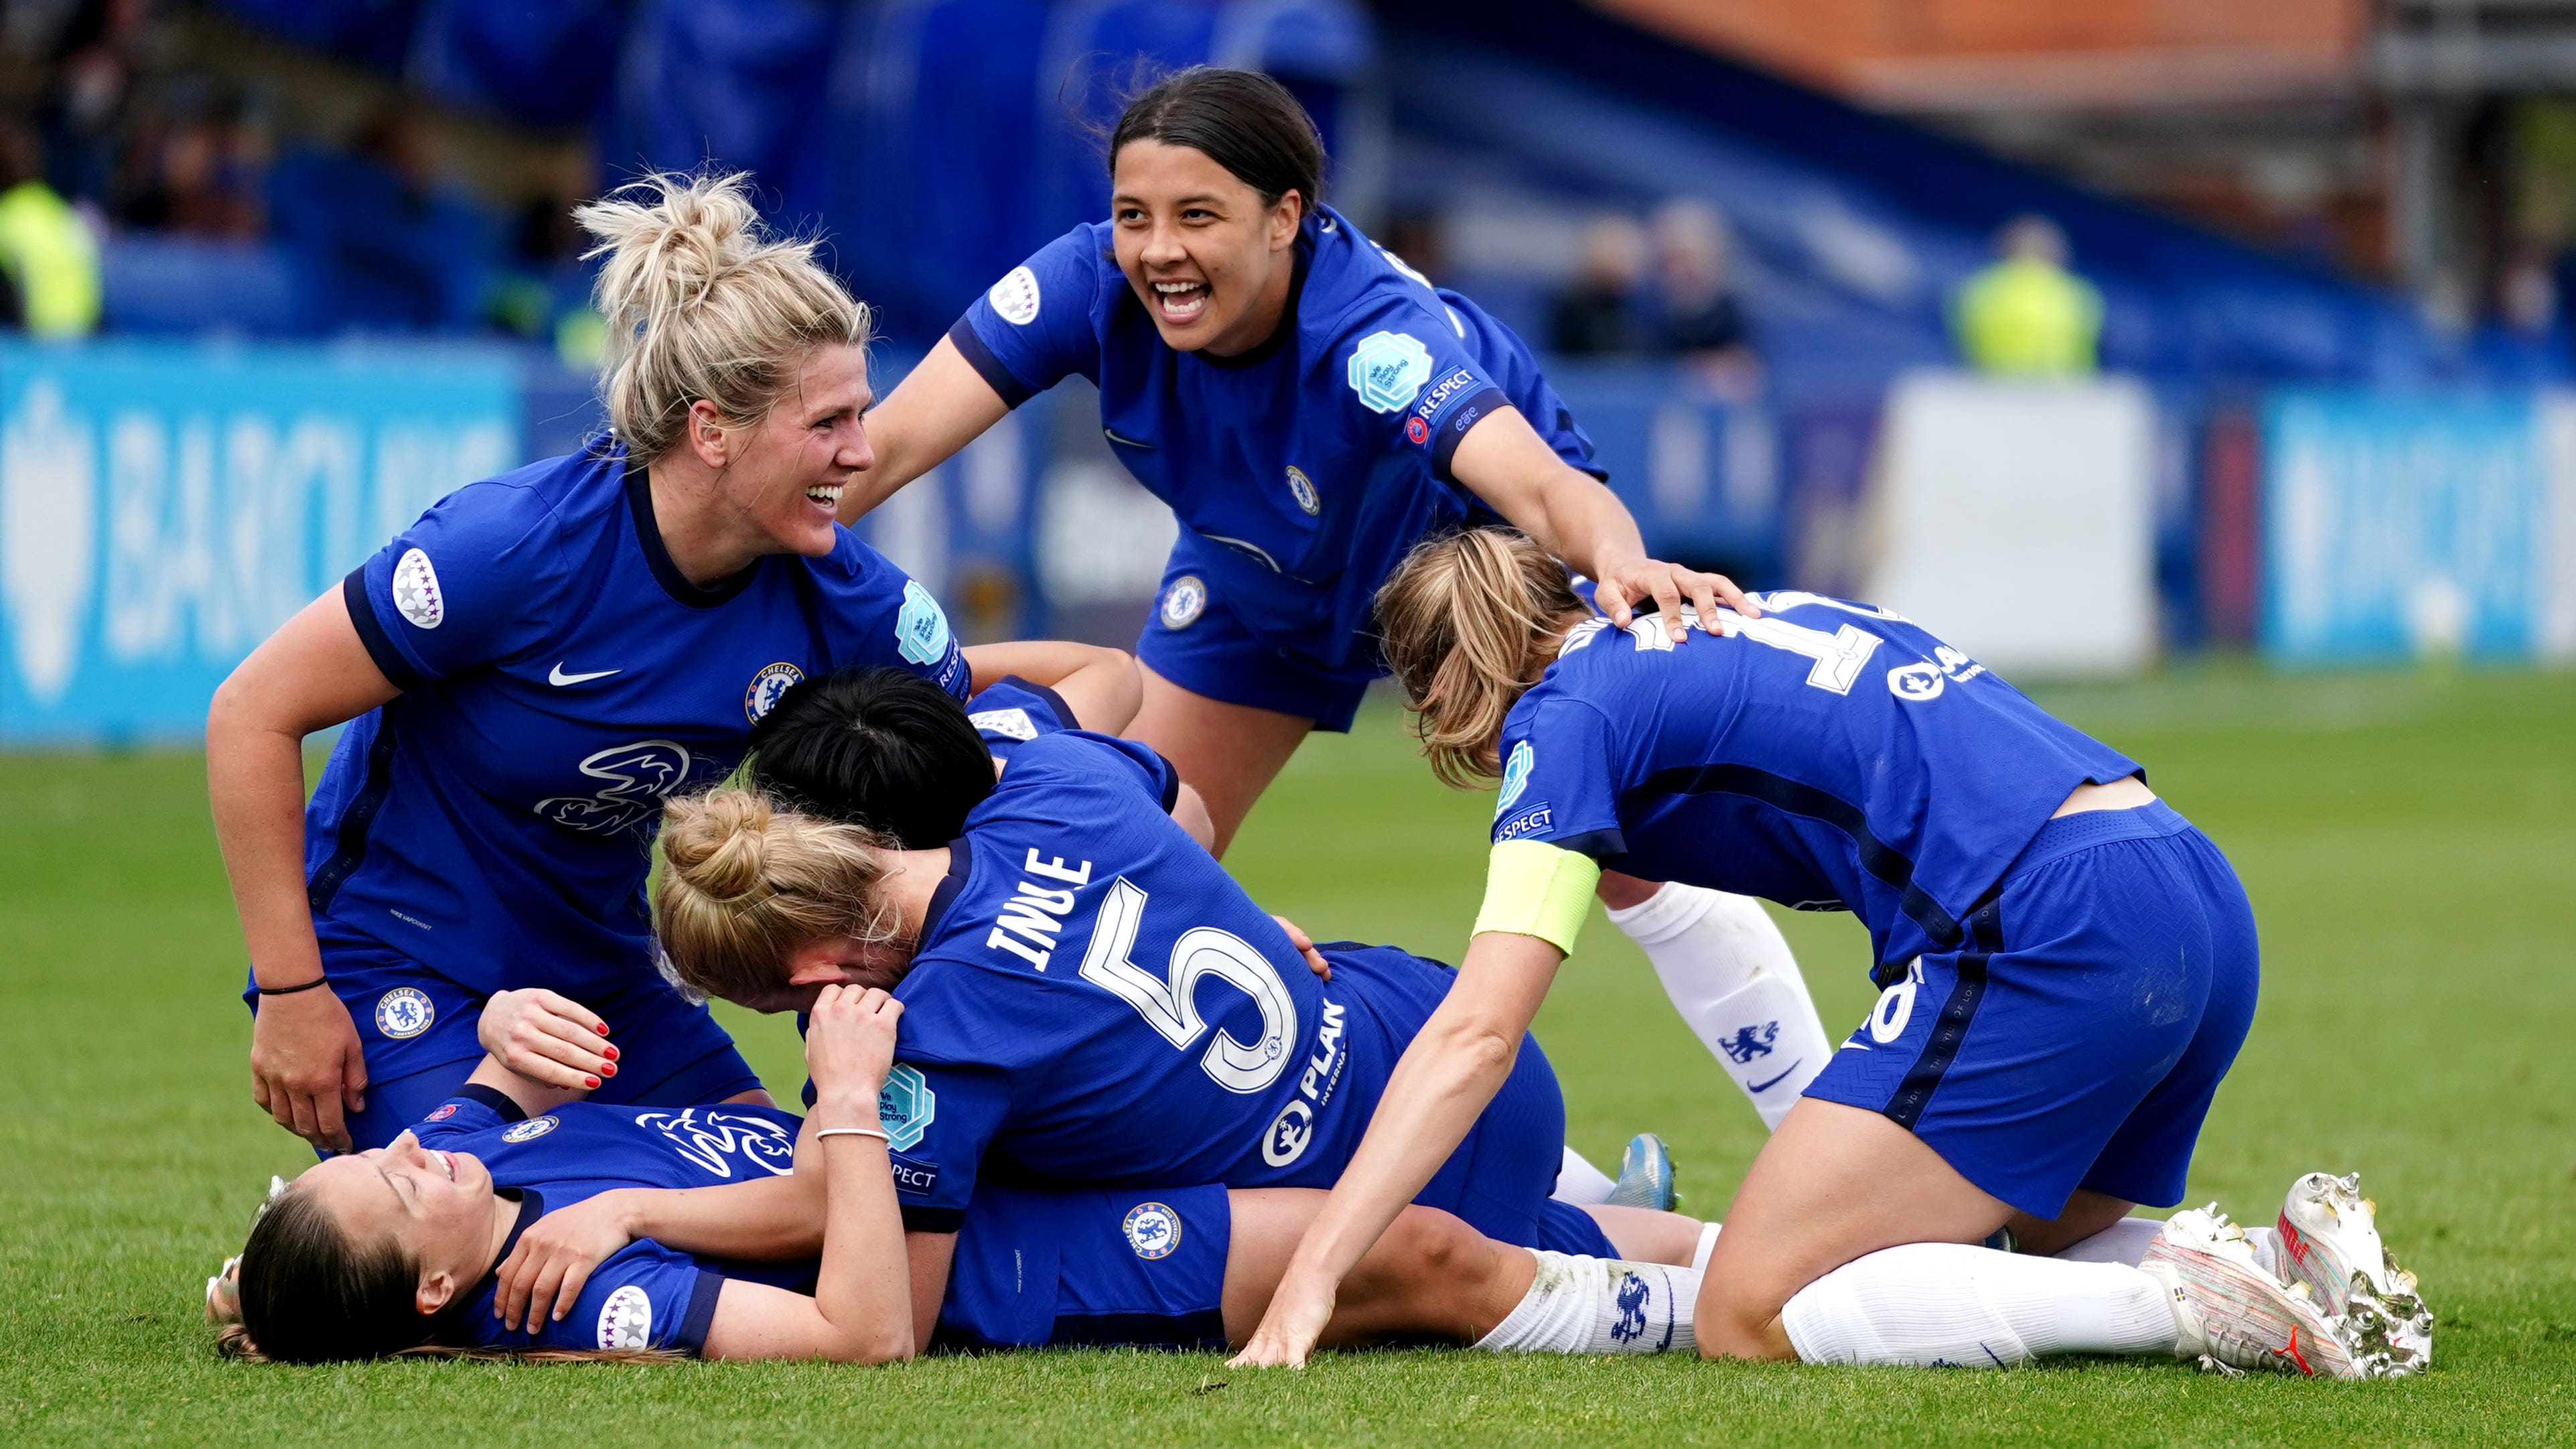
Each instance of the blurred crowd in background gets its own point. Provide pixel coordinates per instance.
(2239, 326)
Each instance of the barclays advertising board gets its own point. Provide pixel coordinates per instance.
(2411, 526)
(164, 507)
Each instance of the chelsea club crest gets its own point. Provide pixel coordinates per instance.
(766, 687)
(1183, 601)
(1302, 488)
(404, 1012)
(1153, 1230)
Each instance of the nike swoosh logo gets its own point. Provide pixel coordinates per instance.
(558, 678)
(1775, 1081)
(1113, 435)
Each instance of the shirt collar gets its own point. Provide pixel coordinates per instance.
(648, 533)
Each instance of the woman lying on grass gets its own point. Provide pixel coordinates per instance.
(416, 1248)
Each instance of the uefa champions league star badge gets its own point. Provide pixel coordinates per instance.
(1153, 1230)
(1183, 601)
(1516, 773)
(626, 1320)
(404, 1012)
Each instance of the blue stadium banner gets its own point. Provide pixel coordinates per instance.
(164, 507)
(2399, 526)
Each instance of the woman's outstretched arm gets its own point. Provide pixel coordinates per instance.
(938, 408)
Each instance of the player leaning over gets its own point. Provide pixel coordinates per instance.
(2068, 969)
(425, 1246)
(536, 662)
(1310, 407)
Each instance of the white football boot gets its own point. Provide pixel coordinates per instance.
(2330, 1242)
(2233, 1315)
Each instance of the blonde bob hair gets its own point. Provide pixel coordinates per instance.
(745, 884)
(1468, 620)
(702, 302)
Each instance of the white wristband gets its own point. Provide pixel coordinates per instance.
(822, 1133)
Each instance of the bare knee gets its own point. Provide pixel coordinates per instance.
(1619, 892)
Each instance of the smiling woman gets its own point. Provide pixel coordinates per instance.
(535, 663)
(1309, 406)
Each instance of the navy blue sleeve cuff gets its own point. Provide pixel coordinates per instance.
(1054, 701)
(692, 1337)
(971, 344)
(371, 632)
(933, 1219)
(1444, 444)
(494, 1098)
(1598, 844)
(1171, 782)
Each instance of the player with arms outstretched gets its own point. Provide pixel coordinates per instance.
(2067, 969)
(1310, 407)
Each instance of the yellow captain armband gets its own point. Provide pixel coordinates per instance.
(1533, 888)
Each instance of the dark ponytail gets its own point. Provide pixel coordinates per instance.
(1241, 119)
(881, 748)
(310, 1295)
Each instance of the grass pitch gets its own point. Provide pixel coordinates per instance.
(2409, 841)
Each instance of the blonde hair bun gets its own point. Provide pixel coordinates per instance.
(746, 883)
(702, 303)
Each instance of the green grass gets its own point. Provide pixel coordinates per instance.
(2410, 843)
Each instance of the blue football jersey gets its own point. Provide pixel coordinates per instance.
(1313, 462)
(560, 676)
(1096, 1000)
(644, 1295)
(1012, 712)
(1828, 756)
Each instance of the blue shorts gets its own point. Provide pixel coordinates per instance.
(417, 1029)
(1500, 1177)
(2076, 1038)
(1197, 640)
(1140, 1266)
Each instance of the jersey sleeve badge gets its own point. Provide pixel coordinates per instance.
(416, 592)
(906, 1107)
(626, 1320)
(921, 630)
(1015, 298)
(1388, 370)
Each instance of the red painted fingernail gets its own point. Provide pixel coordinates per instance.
(609, 1071)
(590, 1081)
(609, 1052)
(603, 1028)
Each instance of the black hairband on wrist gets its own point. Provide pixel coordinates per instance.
(291, 990)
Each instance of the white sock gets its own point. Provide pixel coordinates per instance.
(1732, 977)
(1707, 1246)
(1946, 1305)
(1600, 1305)
(2126, 1242)
(1580, 1183)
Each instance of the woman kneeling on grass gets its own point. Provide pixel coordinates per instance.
(2066, 968)
(422, 1247)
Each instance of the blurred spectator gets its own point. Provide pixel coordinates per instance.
(543, 292)
(1597, 315)
(2527, 294)
(92, 71)
(1703, 322)
(48, 257)
(380, 243)
(198, 167)
(1414, 237)
(2027, 315)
